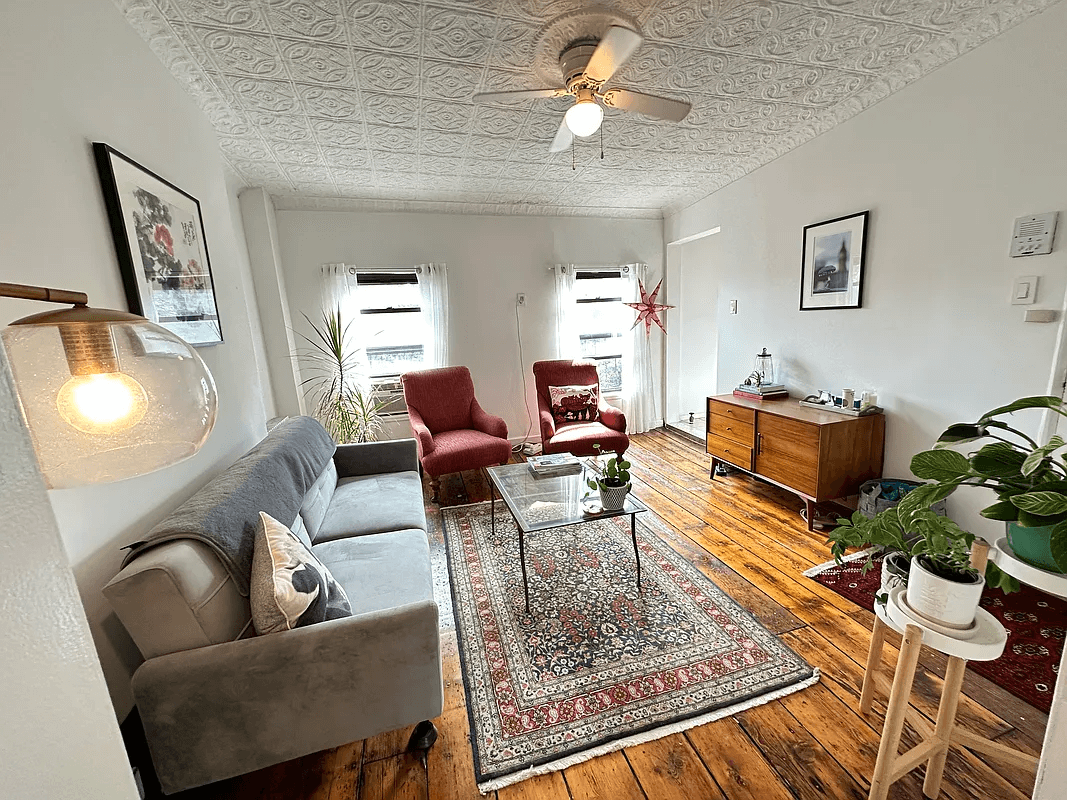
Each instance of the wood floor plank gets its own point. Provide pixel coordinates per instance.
(737, 765)
(669, 769)
(397, 778)
(452, 672)
(387, 745)
(607, 777)
(450, 762)
(541, 787)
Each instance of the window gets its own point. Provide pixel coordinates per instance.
(390, 324)
(602, 322)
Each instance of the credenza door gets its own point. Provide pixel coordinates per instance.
(787, 451)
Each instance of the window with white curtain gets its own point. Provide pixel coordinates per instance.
(602, 322)
(389, 322)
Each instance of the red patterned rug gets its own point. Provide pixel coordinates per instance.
(1035, 622)
(596, 666)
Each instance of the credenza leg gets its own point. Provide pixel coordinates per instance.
(809, 512)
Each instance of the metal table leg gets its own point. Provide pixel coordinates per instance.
(492, 506)
(522, 560)
(637, 553)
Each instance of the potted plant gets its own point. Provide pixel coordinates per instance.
(1030, 480)
(613, 483)
(335, 383)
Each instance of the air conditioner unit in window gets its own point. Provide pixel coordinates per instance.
(390, 392)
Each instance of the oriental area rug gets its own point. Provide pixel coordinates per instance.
(1035, 622)
(596, 666)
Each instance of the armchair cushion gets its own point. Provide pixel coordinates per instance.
(366, 504)
(574, 403)
(290, 586)
(580, 437)
(455, 451)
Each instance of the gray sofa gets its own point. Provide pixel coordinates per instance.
(215, 699)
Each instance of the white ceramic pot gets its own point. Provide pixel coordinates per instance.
(950, 603)
(612, 498)
(895, 568)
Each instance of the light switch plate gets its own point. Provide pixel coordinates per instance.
(733, 306)
(1033, 234)
(1024, 290)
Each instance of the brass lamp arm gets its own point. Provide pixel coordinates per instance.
(26, 292)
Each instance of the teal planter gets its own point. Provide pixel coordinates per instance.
(1033, 545)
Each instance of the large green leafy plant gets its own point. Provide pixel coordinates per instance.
(1030, 480)
(335, 383)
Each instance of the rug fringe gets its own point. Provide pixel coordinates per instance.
(646, 736)
(817, 570)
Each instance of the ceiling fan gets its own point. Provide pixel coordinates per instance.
(586, 66)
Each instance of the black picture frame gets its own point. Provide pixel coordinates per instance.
(161, 246)
(833, 263)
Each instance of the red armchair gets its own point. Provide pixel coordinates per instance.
(452, 431)
(577, 437)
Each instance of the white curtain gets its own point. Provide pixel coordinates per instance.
(568, 345)
(340, 291)
(638, 401)
(433, 286)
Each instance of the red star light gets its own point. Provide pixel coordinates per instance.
(648, 309)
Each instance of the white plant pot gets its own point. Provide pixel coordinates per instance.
(949, 603)
(612, 498)
(891, 579)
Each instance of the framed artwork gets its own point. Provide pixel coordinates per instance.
(159, 239)
(831, 272)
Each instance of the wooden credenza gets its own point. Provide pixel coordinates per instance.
(819, 455)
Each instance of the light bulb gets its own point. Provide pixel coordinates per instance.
(584, 118)
(103, 403)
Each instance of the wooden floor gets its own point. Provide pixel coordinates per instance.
(746, 536)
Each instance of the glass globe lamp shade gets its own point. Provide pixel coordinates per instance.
(584, 117)
(108, 395)
(764, 367)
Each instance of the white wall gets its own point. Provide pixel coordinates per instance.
(944, 166)
(73, 72)
(490, 260)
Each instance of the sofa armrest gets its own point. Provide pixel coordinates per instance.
(612, 417)
(422, 433)
(227, 709)
(374, 458)
(488, 423)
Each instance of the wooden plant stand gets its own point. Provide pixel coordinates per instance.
(986, 644)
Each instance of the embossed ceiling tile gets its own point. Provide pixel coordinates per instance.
(301, 153)
(381, 72)
(329, 103)
(340, 134)
(444, 80)
(491, 147)
(314, 188)
(385, 109)
(271, 97)
(186, 36)
(310, 62)
(514, 46)
(437, 143)
(395, 140)
(522, 170)
(672, 20)
(237, 53)
(445, 116)
(312, 19)
(495, 121)
(397, 162)
(541, 126)
(292, 128)
(397, 180)
(226, 13)
(244, 148)
(353, 178)
(346, 158)
(484, 167)
(503, 80)
(390, 26)
(456, 35)
(260, 171)
(307, 174)
(232, 124)
(441, 165)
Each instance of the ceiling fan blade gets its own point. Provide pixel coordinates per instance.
(613, 51)
(563, 139)
(521, 94)
(648, 104)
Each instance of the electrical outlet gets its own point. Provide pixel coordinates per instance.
(520, 299)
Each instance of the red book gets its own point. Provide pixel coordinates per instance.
(754, 396)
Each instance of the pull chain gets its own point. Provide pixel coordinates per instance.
(573, 168)
(601, 141)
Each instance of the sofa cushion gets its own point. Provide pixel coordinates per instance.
(455, 451)
(318, 497)
(178, 596)
(574, 403)
(381, 571)
(291, 587)
(367, 504)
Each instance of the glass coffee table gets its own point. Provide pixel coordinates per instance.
(538, 504)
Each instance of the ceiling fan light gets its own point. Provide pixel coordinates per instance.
(584, 118)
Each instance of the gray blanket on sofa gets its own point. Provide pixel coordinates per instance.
(272, 477)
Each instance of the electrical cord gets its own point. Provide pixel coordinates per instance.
(525, 397)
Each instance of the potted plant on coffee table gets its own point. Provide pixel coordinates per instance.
(613, 483)
(1030, 480)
